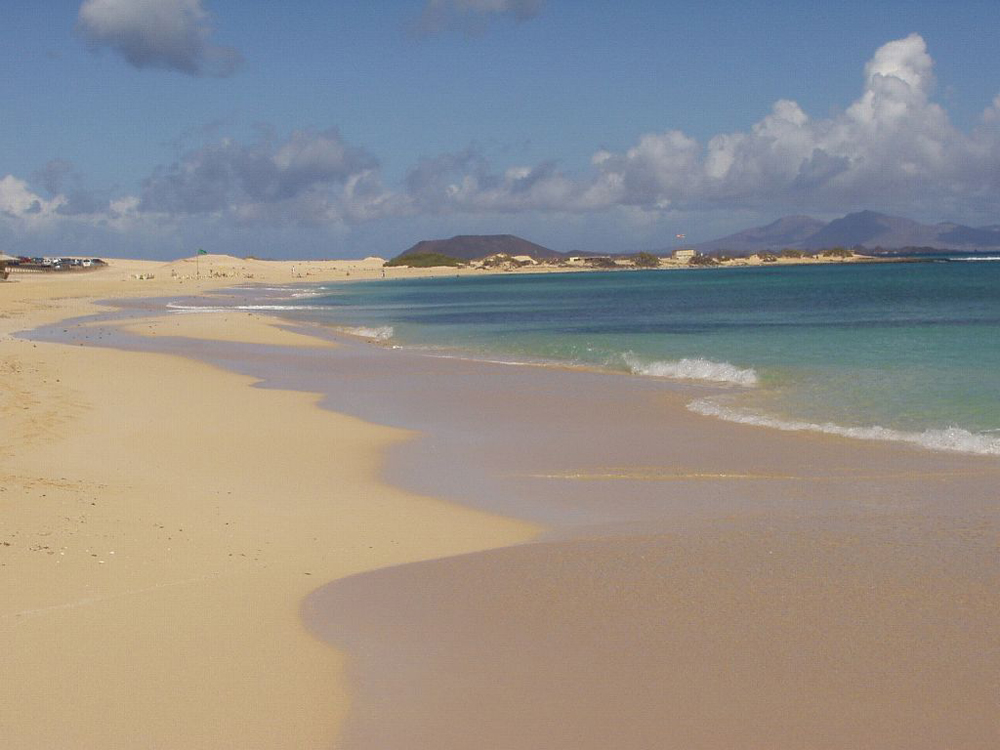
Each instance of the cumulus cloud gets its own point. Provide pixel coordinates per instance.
(313, 177)
(25, 211)
(166, 34)
(17, 199)
(892, 144)
(472, 16)
(464, 181)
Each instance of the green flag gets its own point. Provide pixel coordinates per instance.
(202, 252)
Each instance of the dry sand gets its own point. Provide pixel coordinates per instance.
(161, 522)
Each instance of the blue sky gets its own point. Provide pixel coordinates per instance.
(319, 129)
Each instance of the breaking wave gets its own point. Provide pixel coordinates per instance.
(277, 307)
(217, 308)
(378, 333)
(951, 439)
(693, 369)
(187, 309)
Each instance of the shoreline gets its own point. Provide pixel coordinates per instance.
(697, 370)
(701, 473)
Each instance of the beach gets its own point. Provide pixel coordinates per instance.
(224, 530)
(157, 544)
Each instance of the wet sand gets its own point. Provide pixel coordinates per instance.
(700, 584)
(740, 634)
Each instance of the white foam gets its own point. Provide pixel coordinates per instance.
(952, 439)
(379, 333)
(986, 257)
(277, 307)
(177, 308)
(435, 352)
(693, 369)
(209, 308)
(258, 288)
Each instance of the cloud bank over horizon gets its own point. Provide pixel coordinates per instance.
(893, 140)
(892, 148)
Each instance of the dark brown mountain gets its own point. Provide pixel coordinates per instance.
(477, 246)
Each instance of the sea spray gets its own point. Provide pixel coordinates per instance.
(377, 333)
(694, 368)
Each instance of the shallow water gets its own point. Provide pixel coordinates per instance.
(902, 351)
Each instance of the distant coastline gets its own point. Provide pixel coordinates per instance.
(681, 259)
(210, 267)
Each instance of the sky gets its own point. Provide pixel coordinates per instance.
(311, 129)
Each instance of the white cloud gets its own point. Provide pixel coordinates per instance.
(19, 203)
(892, 146)
(903, 59)
(168, 34)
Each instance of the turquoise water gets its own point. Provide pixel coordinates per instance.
(892, 351)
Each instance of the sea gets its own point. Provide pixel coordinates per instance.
(906, 352)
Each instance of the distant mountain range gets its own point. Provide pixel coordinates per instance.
(866, 228)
